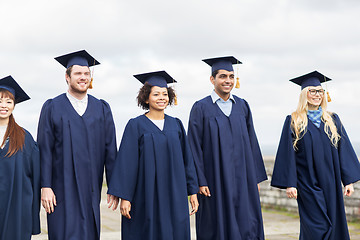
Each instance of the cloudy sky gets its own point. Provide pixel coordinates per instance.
(276, 40)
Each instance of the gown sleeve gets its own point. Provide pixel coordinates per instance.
(195, 133)
(126, 167)
(349, 163)
(110, 141)
(255, 148)
(46, 141)
(191, 178)
(284, 173)
(35, 163)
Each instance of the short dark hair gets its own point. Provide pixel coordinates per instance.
(214, 73)
(144, 94)
(68, 70)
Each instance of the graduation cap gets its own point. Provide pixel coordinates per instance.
(160, 78)
(311, 79)
(8, 83)
(222, 63)
(81, 58)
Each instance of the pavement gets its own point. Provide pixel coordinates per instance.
(278, 225)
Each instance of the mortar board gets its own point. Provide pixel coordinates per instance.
(311, 79)
(222, 63)
(160, 78)
(8, 83)
(81, 58)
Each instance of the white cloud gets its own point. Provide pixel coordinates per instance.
(276, 40)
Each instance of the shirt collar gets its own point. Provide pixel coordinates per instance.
(74, 99)
(215, 97)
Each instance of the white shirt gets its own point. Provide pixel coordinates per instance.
(225, 106)
(159, 123)
(79, 105)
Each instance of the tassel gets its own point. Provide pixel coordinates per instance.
(237, 85)
(328, 97)
(175, 100)
(91, 81)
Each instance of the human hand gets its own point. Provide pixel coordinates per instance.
(125, 208)
(291, 192)
(112, 201)
(349, 190)
(194, 204)
(48, 199)
(204, 190)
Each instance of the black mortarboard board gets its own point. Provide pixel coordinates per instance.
(12, 86)
(81, 58)
(160, 78)
(222, 63)
(311, 79)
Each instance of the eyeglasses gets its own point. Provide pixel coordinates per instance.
(314, 91)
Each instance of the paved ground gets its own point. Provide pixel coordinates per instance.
(278, 225)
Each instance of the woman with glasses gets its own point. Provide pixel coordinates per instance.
(314, 158)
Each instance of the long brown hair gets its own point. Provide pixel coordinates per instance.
(14, 132)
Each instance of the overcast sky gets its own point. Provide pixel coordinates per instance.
(275, 39)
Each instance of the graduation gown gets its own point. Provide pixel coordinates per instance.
(227, 160)
(317, 170)
(155, 171)
(74, 150)
(20, 192)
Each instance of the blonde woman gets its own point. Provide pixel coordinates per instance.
(314, 158)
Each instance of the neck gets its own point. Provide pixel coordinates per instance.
(312, 107)
(155, 115)
(4, 122)
(223, 96)
(77, 95)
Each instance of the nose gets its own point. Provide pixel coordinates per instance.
(228, 79)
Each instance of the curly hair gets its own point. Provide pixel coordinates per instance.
(144, 94)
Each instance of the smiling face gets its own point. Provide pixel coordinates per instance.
(315, 96)
(158, 99)
(7, 105)
(79, 79)
(223, 83)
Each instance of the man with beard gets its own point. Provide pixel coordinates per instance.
(76, 137)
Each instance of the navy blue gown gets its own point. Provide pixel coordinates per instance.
(74, 150)
(228, 160)
(317, 170)
(155, 171)
(20, 192)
